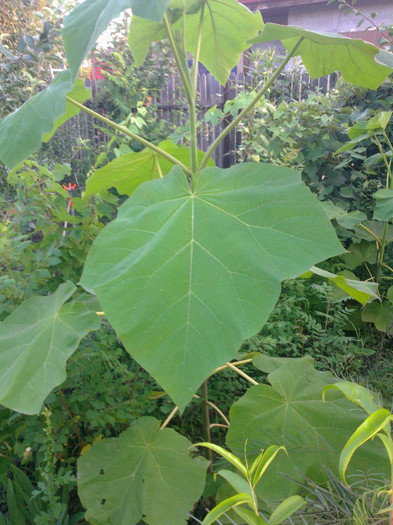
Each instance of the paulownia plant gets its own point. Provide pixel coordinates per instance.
(192, 264)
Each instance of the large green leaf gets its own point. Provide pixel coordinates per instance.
(186, 277)
(291, 412)
(324, 53)
(144, 473)
(225, 26)
(89, 19)
(35, 342)
(128, 171)
(21, 132)
(78, 93)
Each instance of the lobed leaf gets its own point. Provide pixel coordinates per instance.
(148, 268)
(324, 53)
(35, 342)
(291, 413)
(145, 473)
(225, 26)
(381, 314)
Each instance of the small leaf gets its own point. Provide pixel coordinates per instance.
(35, 342)
(231, 458)
(356, 394)
(361, 291)
(126, 172)
(286, 509)
(249, 517)
(387, 443)
(144, 473)
(226, 506)
(266, 459)
(323, 53)
(367, 430)
(383, 210)
(236, 481)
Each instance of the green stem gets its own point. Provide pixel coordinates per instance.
(388, 170)
(249, 107)
(132, 135)
(381, 252)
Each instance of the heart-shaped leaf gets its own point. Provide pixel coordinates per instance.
(35, 342)
(89, 19)
(144, 473)
(291, 413)
(126, 172)
(185, 277)
(324, 53)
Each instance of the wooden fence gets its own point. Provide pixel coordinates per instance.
(172, 108)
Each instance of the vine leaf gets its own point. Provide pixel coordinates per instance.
(35, 342)
(185, 278)
(126, 172)
(89, 19)
(31, 121)
(290, 412)
(324, 53)
(144, 473)
(226, 25)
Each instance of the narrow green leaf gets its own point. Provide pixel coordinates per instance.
(355, 393)
(388, 444)
(226, 506)
(126, 172)
(35, 342)
(267, 458)
(255, 463)
(236, 481)
(367, 430)
(361, 291)
(148, 267)
(324, 53)
(249, 517)
(286, 509)
(78, 93)
(89, 19)
(231, 458)
(34, 119)
(383, 210)
(145, 473)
